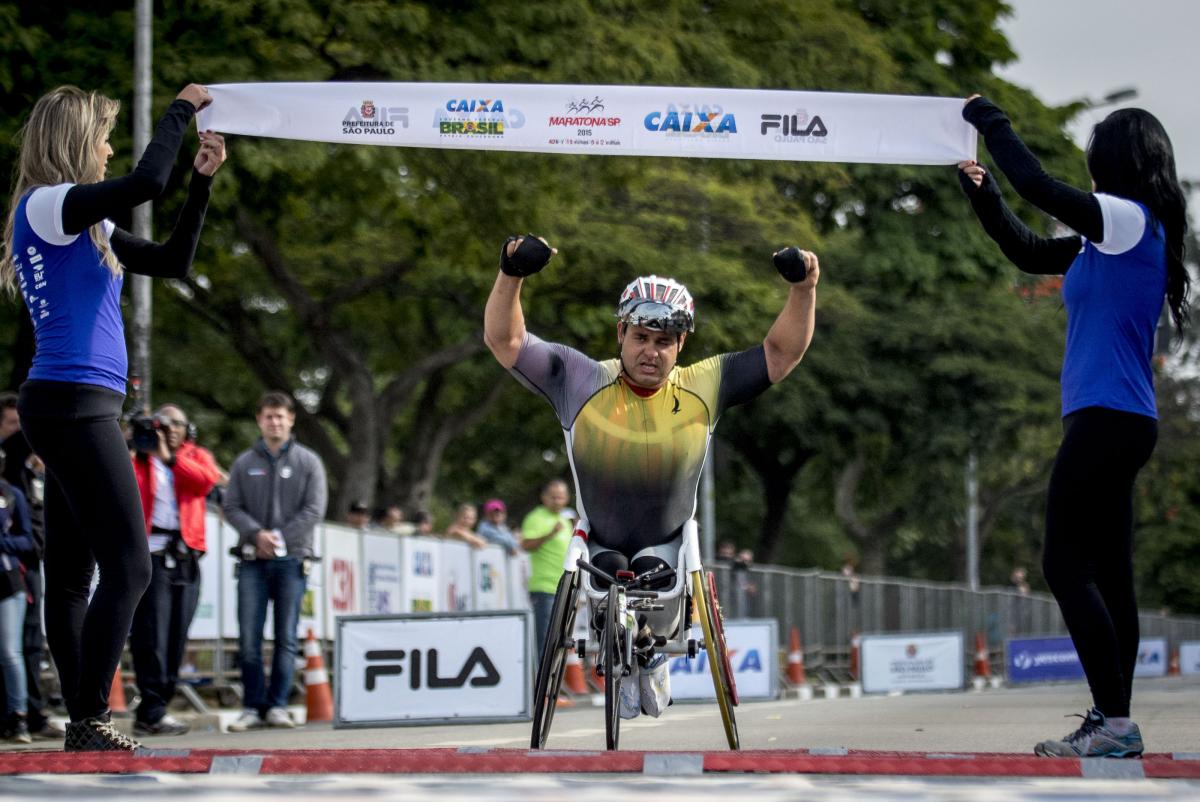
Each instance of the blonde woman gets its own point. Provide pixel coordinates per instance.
(67, 260)
(463, 526)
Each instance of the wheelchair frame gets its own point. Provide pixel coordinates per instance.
(620, 605)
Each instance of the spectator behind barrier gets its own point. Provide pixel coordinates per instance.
(494, 526)
(16, 541)
(463, 527)
(545, 534)
(359, 516)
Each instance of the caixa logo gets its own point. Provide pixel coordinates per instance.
(397, 662)
(793, 127)
(751, 661)
(710, 120)
(476, 116)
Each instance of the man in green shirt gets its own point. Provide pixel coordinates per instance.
(545, 534)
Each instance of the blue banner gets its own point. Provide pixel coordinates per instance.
(1042, 660)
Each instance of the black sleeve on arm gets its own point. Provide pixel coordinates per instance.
(1026, 250)
(744, 377)
(88, 204)
(1078, 209)
(173, 258)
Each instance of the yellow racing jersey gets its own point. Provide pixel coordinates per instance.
(637, 459)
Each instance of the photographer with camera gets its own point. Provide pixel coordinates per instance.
(174, 475)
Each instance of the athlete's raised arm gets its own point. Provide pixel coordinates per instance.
(792, 331)
(503, 319)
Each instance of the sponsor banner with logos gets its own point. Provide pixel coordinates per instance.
(752, 654)
(519, 569)
(420, 560)
(1152, 658)
(1042, 659)
(433, 668)
(342, 567)
(206, 623)
(488, 569)
(381, 573)
(918, 662)
(1189, 657)
(456, 578)
(603, 120)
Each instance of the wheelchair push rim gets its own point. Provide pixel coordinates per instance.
(554, 658)
(717, 657)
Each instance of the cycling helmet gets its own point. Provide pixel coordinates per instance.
(657, 303)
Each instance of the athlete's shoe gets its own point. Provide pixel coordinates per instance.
(1094, 739)
(655, 681)
(97, 735)
(167, 725)
(630, 695)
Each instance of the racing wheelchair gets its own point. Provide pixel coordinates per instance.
(613, 622)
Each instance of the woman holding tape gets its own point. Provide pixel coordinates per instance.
(68, 261)
(1126, 258)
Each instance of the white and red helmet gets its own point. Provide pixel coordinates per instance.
(657, 303)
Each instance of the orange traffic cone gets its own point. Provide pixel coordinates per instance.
(116, 696)
(596, 681)
(854, 641)
(983, 668)
(573, 680)
(1173, 664)
(795, 663)
(316, 682)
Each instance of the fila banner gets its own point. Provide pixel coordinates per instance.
(433, 668)
(603, 120)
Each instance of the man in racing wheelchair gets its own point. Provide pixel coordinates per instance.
(638, 427)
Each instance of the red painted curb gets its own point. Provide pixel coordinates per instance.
(511, 761)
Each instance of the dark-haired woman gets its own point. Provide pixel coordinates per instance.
(68, 262)
(1126, 258)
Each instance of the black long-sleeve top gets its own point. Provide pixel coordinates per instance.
(1074, 207)
(87, 204)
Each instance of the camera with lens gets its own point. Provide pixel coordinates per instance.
(143, 432)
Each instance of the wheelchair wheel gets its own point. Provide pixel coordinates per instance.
(554, 658)
(714, 645)
(613, 669)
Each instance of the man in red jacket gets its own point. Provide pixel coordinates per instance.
(173, 480)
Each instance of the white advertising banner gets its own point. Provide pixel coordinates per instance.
(1152, 658)
(753, 645)
(917, 662)
(455, 580)
(417, 669)
(603, 120)
(316, 597)
(518, 581)
(420, 562)
(1189, 657)
(205, 623)
(490, 569)
(227, 566)
(342, 567)
(381, 570)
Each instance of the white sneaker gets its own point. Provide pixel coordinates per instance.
(248, 720)
(279, 717)
(629, 696)
(655, 682)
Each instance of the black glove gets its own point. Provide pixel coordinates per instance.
(790, 264)
(529, 257)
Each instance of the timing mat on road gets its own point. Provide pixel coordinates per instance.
(472, 760)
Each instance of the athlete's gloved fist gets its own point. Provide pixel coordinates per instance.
(529, 255)
(791, 264)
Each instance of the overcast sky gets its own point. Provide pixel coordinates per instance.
(1069, 49)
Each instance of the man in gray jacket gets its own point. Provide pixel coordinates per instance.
(276, 497)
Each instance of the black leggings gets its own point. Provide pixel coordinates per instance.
(93, 516)
(1088, 559)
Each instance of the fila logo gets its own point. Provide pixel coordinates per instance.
(793, 125)
(392, 664)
